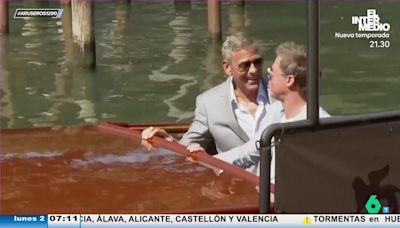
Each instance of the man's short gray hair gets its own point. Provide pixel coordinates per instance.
(237, 42)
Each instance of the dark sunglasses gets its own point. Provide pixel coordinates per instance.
(244, 66)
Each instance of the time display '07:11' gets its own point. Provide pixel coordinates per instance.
(66, 218)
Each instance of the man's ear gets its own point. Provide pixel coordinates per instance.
(227, 68)
(290, 81)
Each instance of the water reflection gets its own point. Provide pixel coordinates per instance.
(61, 95)
(122, 14)
(7, 106)
(236, 17)
(180, 48)
(116, 33)
(213, 66)
(84, 92)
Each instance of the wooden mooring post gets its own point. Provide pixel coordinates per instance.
(4, 17)
(66, 25)
(214, 20)
(83, 32)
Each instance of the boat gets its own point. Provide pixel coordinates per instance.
(104, 169)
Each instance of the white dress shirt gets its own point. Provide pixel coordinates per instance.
(250, 124)
(247, 156)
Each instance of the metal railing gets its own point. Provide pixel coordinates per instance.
(313, 123)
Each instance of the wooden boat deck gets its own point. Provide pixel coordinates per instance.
(91, 169)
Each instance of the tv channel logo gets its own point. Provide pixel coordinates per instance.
(373, 206)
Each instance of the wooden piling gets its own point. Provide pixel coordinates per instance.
(4, 29)
(214, 20)
(66, 25)
(83, 31)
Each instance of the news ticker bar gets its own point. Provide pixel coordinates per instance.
(209, 220)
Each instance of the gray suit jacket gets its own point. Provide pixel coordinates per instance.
(215, 121)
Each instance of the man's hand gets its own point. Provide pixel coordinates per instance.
(195, 147)
(150, 132)
(192, 148)
(147, 144)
